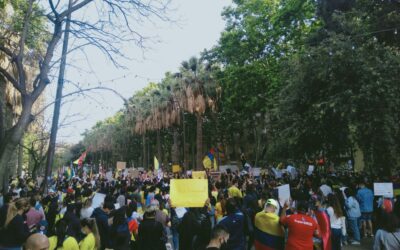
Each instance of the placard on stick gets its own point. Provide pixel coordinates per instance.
(188, 192)
(121, 165)
(283, 194)
(198, 174)
(383, 189)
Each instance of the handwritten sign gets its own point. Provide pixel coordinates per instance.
(383, 189)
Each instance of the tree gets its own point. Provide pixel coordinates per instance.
(111, 27)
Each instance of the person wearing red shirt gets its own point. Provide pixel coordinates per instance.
(301, 227)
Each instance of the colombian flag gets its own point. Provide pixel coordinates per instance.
(209, 160)
(268, 233)
(81, 159)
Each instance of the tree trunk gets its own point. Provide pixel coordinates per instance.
(159, 156)
(199, 142)
(175, 147)
(20, 159)
(144, 151)
(57, 104)
(11, 140)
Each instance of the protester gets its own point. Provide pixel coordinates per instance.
(37, 242)
(33, 216)
(353, 215)
(219, 238)
(101, 216)
(301, 227)
(365, 197)
(120, 234)
(61, 240)
(14, 231)
(91, 241)
(335, 215)
(235, 225)
(151, 233)
(269, 233)
(388, 237)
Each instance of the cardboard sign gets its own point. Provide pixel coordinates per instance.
(98, 200)
(121, 165)
(233, 168)
(176, 168)
(188, 192)
(216, 175)
(109, 176)
(198, 174)
(310, 169)
(283, 194)
(383, 189)
(256, 172)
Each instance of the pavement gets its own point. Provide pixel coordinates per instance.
(366, 243)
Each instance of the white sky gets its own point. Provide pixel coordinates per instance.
(199, 27)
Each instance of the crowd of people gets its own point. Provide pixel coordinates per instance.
(327, 210)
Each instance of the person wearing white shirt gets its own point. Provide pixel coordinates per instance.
(335, 213)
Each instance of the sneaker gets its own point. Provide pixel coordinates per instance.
(355, 243)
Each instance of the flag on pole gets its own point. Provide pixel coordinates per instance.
(209, 160)
(156, 164)
(81, 159)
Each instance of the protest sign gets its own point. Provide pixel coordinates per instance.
(121, 165)
(224, 168)
(198, 174)
(98, 200)
(283, 194)
(180, 212)
(310, 169)
(176, 168)
(188, 192)
(215, 175)
(383, 189)
(109, 176)
(256, 172)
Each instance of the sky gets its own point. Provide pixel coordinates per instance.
(197, 27)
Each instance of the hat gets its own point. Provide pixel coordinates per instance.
(272, 202)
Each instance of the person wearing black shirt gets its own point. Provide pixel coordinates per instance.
(14, 231)
(219, 237)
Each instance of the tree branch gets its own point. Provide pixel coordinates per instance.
(11, 79)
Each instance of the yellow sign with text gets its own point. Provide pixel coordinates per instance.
(199, 174)
(188, 192)
(176, 168)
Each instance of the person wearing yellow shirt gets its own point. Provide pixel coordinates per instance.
(92, 238)
(61, 241)
(234, 191)
(220, 207)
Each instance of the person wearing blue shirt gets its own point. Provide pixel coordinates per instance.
(234, 222)
(365, 197)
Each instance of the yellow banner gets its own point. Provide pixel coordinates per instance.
(188, 192)
(176, 168)
(198, 174)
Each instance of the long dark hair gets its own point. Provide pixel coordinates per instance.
(391, 222)
(61, 232)
(335, 204)
(91, 224)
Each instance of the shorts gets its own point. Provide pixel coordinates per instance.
(366, 216)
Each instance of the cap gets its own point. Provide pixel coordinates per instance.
(272, 202)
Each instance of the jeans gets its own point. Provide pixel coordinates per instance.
(336, 239)
(175, 239)
(355, 228)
